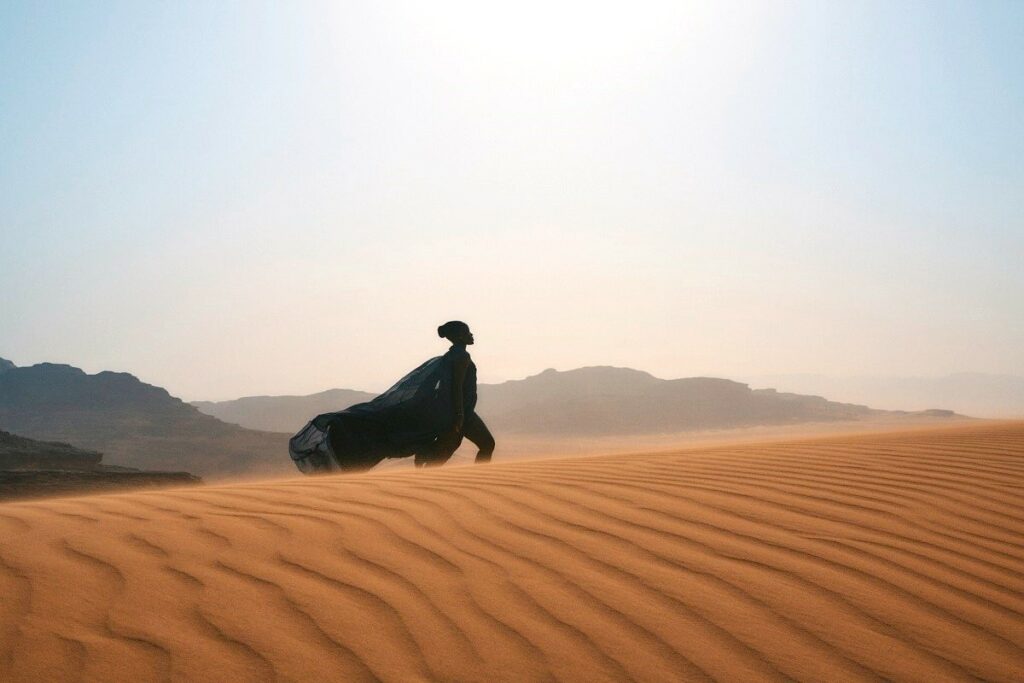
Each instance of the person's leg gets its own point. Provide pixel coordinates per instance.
(476, 431)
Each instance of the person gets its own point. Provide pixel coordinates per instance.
(465, 423)
(426, 414)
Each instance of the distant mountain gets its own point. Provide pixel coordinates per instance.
(584, 402)
(970, 393)
(132, 423)
(281, 413)
(605, 400)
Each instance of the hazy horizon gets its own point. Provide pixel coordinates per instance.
(228, 200)
(980, 395)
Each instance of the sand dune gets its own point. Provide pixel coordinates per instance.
(889, 556)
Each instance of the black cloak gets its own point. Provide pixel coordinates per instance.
(405, 420)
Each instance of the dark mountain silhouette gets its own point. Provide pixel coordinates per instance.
(134, 424)
(588, 401)
(30, 468)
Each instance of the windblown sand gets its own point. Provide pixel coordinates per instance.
(891, 556)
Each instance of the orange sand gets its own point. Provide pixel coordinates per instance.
(859, 557)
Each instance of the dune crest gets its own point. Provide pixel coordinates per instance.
(895, 556)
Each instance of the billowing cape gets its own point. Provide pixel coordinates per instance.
(405, 420)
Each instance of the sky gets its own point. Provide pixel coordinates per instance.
(241, 198)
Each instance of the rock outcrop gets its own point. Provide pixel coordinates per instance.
(30, 468)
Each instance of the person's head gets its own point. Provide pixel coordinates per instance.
(455, 331)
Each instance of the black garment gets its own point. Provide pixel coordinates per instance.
(405, 420)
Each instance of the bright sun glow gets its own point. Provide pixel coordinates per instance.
(555, 39)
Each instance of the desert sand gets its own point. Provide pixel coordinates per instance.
(896, 556)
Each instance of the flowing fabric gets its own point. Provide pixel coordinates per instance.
(405, 420)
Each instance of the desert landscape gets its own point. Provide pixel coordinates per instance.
(873, 556)
(481, 342)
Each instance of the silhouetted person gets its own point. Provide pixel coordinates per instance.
(427, 413)
(466, 423)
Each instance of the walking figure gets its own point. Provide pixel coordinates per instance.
(426, 414)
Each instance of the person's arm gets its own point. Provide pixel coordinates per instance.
(458, 376)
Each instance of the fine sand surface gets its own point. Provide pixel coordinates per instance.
(862, 557)
(523, 446)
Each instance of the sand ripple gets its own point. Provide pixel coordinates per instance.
(891, 556)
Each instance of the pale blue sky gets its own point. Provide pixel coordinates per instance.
(238, 198)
